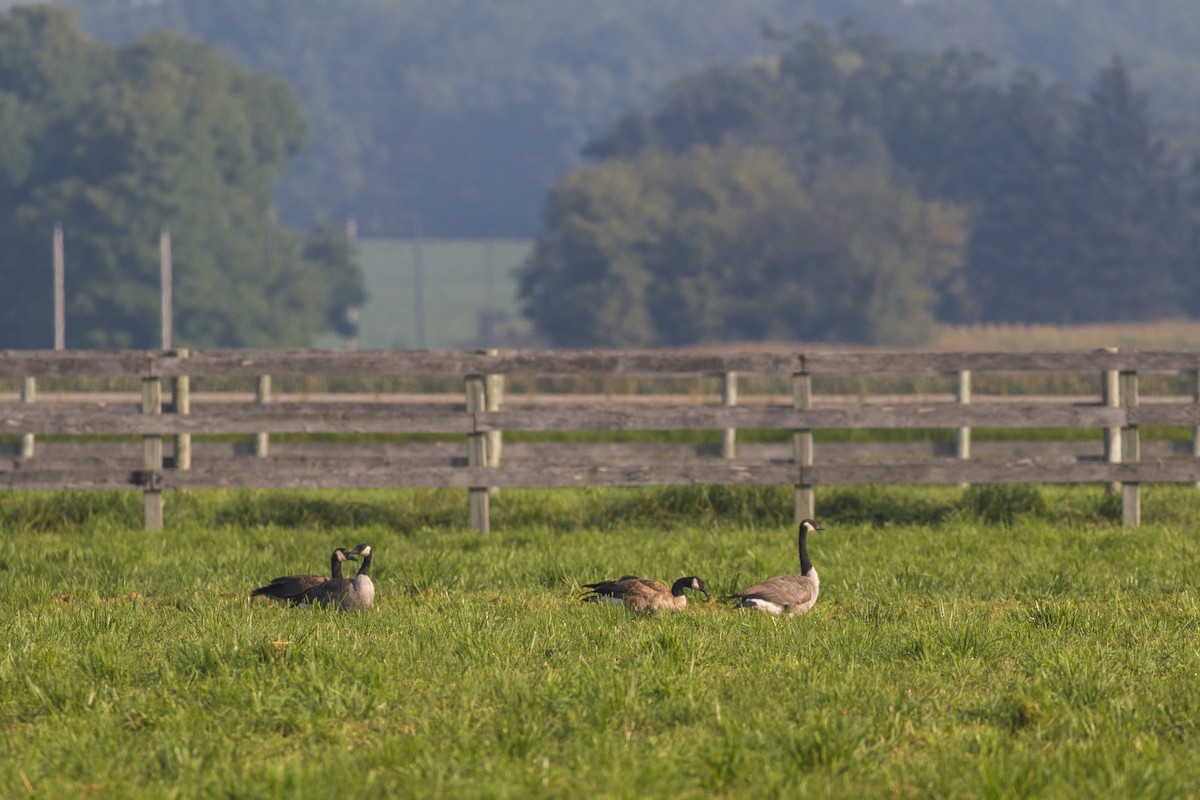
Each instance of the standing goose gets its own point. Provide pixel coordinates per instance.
(643, 594)
(787, 594)
(343, 593)
(288, 588)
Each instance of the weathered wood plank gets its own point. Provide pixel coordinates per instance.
(452, 363)
(1020, 471)
(76, 363)
(425, 363)
(127, 455)
(868, 362)
(270, 474)
(238, 419)
(529, 475)
(408, 418)
(1182, 413)
(455, 363)
(82, 478)
(621, 417)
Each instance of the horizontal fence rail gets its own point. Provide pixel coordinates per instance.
(613, 363)
(84, 439)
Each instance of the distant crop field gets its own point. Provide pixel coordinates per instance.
(455, 290)
(956, 650)
(1182, 334)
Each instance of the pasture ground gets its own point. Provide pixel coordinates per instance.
(454, 290)
(952, 654)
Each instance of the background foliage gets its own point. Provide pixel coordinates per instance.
(1071, 209)
(707, 246)
(117, 143)
(1065, 194)
(466, 113)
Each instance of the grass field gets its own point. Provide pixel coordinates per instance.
(454, 291)
(950, 655)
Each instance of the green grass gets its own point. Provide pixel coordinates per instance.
(1053, 655)
(455, 291)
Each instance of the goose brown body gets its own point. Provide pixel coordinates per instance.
(345, 594)
(787, 594)
(644, 595)
(288, 588)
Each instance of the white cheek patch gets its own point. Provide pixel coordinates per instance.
(762, 605)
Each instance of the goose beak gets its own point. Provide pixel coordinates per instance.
(351, 555)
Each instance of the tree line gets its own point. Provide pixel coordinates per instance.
(848, 189)
(465, 113)
(115, 143)
(851, 190)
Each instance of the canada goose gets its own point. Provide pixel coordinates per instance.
(787, 594)
(288, 588)
(344, 593)
(643, 594)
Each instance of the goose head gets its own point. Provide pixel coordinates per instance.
(690, 582)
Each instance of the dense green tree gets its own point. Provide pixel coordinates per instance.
(727, 245)
(1069, 200)
(1123, 191)
(1085, 221)
(333, 249)
(117, 143)
(1015, 270)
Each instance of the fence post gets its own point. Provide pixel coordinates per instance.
(1110, 395)
(28, 395)
(477, 455)
(181, 403)
(152, 458)
(493, 388)
(802, 446)
(962, 437)
(1196, 430)
(1131, 493)
(729, 397)
(262, 396)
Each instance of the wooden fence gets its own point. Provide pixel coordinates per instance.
(91, 445)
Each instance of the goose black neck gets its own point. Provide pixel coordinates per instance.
(335, 569)
(805, 564)
(365, 569)
(679, 585)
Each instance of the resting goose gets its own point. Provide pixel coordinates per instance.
(343, 593)
(643, 594)
(288, 588)
(787, 594)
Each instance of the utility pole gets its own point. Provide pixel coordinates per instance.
(418, 282)
(489, 293)
(165, 269)
(60, 283)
